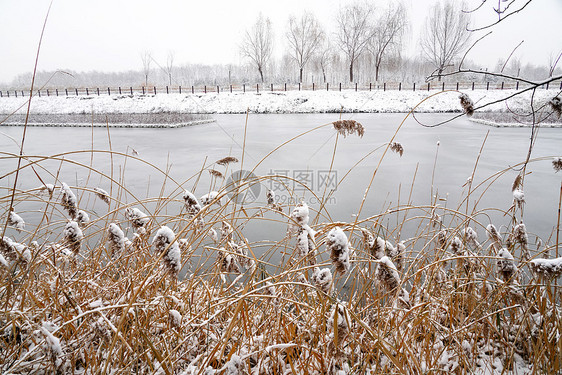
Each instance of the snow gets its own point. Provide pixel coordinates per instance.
(300, 214)
(116, 239)
(52, 342)
(322, 279)
(272, 102)
(73, 231)
(336, 243)
(172, 259)
(102, 194)
(4, 262)
(175, 318)
(82, 217)
(137, 218)
(209, 198)
(16, 221)
(547, 267)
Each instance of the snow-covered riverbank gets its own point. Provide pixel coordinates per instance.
(272, 102)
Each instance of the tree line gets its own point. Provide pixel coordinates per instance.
(366, 46)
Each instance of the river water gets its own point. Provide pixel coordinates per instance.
(445, 154)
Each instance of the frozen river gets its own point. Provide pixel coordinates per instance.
(183, 152)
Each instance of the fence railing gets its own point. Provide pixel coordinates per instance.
(257, 88)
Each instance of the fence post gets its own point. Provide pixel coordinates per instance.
(457, 86)
(167, 92)
(218, 90)
(143, 90)
(502, 85)
(384, 86)
(370, 86)
(231, 89)
(517, 85)
(272, 87)
(547, 85)
(312, 86)
(414, 86)
(154, 90)
(192, 90)
(472, 85)
(355, 86)
(76, 92)
(244, 87)
(205, 89)
(47, 93)
(428, 86)
(15, 92)
(119, 90)
(400, 86)
(443, 89)
(179, 87)
(131, 87)
(340, 86)
(8, 92)
(56, 91)
(98, 90)
(487, 86)
(327, 87)
(299, 86)
(285, 86)
(560, 85)
(87, 92)
(108, 91)
(1, 96)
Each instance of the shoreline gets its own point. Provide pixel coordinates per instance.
(294, 102)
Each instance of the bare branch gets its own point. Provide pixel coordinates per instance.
(509, 57)
(502, 19)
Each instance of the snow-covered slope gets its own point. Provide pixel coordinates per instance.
(272, 102)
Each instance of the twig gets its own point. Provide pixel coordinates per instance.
(502, 19)
(509, 57)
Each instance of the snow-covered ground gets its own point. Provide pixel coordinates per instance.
(274, 102)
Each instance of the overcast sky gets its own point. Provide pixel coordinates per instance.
(109, 35)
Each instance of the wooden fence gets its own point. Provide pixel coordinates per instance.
(257, 88)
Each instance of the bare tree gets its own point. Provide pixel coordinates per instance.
(304, 37)
(258, 43)
(445, 35)
(387, 37)
(323, 58)
(146, 58)
(170, 65)
(354, 31)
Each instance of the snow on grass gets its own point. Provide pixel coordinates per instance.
(271, 102)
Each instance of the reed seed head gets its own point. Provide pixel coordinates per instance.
(227, 160)
(347, 127)
(466, 104)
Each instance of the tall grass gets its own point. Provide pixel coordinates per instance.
(92, 286)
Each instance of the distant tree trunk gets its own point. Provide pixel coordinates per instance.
(261, 74)
(300, 76)
(351, 72)
(377, 72)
